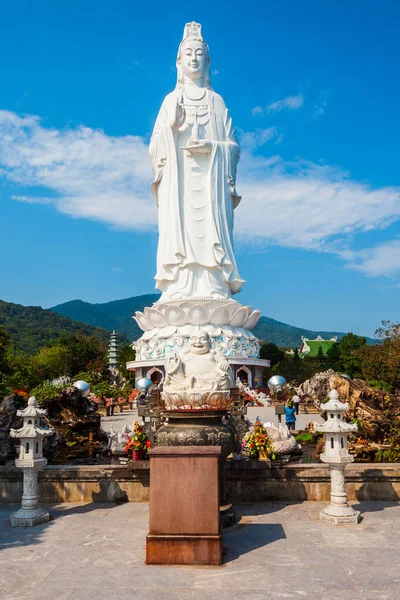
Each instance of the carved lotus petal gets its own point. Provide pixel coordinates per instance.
(232, 333)
(252, 320)
(143, 323)
(222, 314)
(149, 334)
(212, 330)
(156, 318)
(199, 314)
(240, 316)
(166, 332)
(175, 316)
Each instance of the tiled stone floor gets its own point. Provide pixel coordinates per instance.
(277, 551)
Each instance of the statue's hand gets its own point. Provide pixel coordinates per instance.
(199, 147)
(179, 116)
(172, 363)
(222, 363)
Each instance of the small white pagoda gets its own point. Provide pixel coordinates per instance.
(336, 454)
(113, 350)
(30, 460)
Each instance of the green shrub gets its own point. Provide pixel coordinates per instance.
(46, 391)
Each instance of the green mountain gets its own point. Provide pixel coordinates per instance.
(283, 335)
(109, 315)
(118, 315)
(32, 327)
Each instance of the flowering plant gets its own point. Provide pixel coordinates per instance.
(256, 440)
(138, 440)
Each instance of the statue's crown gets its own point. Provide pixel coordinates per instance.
(192, 30)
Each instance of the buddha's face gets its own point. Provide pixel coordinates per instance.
(199, 343)
(193, 59)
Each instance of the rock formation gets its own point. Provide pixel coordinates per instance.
(8, 419)
(375, 410)
(74, 418)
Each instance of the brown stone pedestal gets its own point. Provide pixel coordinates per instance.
(184, 506)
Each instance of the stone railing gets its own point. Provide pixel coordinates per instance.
(246, 481)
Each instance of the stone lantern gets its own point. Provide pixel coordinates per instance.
(30, 460)
(336, 454)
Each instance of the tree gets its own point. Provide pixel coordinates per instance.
(5, 369)
(389, 355)
(5, 343)
(50, 363)
(105, 390)
(344, 356)
(271, 352)
(19, 375)
(125, 354)
(82, 349)
(293, 368)
(321, 358)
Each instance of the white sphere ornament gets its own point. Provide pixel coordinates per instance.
(345, 376)
(144, 383)
(83, 387)
(276, 383)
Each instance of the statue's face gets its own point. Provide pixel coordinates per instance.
(193, 59)
(199, 344)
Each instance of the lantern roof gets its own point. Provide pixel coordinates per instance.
(32, 409)
(334, 403)
(337, 426)
(335, 408)
(31, 431)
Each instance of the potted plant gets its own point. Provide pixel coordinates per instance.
(138, 442)
(256, 443)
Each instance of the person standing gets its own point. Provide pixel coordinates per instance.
(112, 406)
(290, 415)
(296, 402)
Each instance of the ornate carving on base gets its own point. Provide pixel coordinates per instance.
(168, 327)
(352, 518)
(232, 342)
(188, 429)
(30, 517)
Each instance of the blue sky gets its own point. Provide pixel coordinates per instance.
(313, 90)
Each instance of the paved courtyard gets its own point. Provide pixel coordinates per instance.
(266, 413)
(277, 551)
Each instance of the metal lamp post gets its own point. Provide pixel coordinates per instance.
(336, 454)
(30, 460)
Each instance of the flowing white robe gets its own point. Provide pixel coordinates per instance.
(189, 265)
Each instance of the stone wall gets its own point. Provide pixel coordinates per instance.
(246, 481)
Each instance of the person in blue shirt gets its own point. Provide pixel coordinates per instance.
(290, 414)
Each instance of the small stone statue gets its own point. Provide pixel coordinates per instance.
(198, 376)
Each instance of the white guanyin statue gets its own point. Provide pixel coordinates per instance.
(197, 377)
(195, 154)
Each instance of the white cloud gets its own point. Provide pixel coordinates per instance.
(289, 103)
(87, 173)
(320, 104)
(319, 110)
(259, 137)
(379, 260)
(303, 205)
